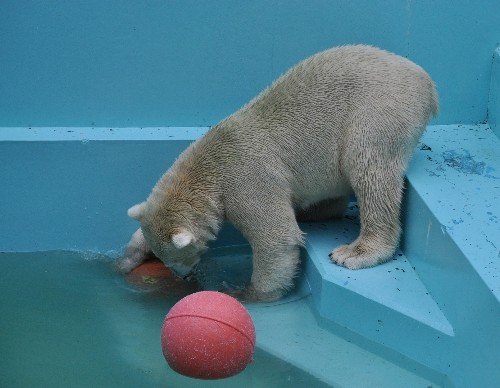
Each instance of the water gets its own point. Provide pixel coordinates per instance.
(68, 320)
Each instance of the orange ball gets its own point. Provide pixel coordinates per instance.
(153, 275)
(208, 335)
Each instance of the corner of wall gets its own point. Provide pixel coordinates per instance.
(494, 98)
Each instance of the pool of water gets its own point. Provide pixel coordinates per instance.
(68, 320)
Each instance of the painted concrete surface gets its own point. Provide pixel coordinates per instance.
(422, 311)
(442, 289)
(456, 170)
(82, 177)
(494, 96)
(122, 63)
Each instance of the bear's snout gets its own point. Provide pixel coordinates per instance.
(183, 271)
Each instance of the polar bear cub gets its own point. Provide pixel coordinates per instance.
(346, 119)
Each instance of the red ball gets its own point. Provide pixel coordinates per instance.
(208, 335)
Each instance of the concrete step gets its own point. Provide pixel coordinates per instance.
(442, 287)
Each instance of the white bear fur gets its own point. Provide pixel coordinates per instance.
(346, 119)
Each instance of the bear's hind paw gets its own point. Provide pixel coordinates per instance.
(357, 256)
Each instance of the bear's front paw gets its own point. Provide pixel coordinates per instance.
(358, 255)
(135, 254)
(125, 264)
(131, 260)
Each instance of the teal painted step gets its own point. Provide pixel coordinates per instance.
(394, 285)
(387, 304)
(456, 172)
(437, 302)
(452, 235)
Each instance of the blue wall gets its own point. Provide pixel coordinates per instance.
(191, 63)
(71, 190)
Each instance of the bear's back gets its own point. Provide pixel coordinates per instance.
(335, 85)
(330, 105)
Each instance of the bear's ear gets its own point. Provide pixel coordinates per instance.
(137, 211)
(182, 239)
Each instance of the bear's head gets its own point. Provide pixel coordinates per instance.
(170, 236)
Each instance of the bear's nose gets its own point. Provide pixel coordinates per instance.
(182, 271)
